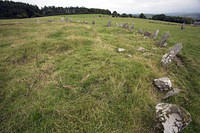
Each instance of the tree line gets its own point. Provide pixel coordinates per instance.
(10, 9)
(161, 17)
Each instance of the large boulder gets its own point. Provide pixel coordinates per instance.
(164, 84)
(168, 57)
(171, 118)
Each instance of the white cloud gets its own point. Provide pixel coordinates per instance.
(127, 6)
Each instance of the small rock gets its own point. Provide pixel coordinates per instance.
(172, 118)
(163, 84)
(148, 34)
(129, 55)
(141, 49)
(173, 92)
(66, 19)
(121, 50)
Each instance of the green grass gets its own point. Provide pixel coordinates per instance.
(69, 77)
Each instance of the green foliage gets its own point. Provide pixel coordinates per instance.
(163, 17)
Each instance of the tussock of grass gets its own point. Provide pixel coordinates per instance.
(69, 77)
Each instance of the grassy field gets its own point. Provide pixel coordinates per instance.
(69, 77)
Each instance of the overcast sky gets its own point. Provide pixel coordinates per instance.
(127, 6)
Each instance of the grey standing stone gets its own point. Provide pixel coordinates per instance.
(182, 26)
(163, 40)
(155, 34)
(132, 26)
(70, 20)
(164, 84)
(168, 57)
(93, 22)
(171, 118)
(109, 24)
(173, 92)
(66, 19)
(140, 31)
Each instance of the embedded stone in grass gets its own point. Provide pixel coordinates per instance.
(182, 26)
(140, 31)
(155, 34)
(168, 57)
(109, 24)
(164, 39)
(132, 26)
(120, 50)
(148, 34)
(173, 92)
(93, 22)
(141, 49)
(163, 84)
(171, 118)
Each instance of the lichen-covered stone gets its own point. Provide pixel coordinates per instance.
(172, 118)
(167, 58)
(163, 84)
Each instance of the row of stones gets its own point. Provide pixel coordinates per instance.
(171, 118)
